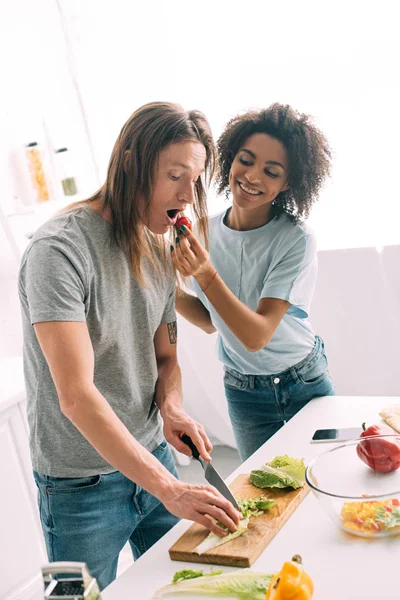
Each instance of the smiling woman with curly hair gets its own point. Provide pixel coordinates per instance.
(307, 150)
(256, 283)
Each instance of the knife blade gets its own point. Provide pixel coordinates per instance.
(211, 474)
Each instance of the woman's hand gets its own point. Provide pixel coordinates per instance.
(191, 259)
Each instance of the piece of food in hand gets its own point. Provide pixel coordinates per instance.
(381, 455)
(282, 472)
(240, 584)
(371, 517)
(291, 583)
(184, 221)
(249, 507)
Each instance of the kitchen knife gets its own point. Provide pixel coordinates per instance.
(212, 476)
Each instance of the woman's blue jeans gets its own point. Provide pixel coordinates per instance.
(259, 405)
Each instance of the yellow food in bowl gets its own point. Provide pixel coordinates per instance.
(371, 517)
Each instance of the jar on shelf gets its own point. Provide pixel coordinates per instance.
(66, 172)
(36, 168)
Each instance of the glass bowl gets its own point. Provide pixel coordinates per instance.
(357, 498)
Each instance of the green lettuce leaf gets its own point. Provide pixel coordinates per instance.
(388, 519)
(186, 574)
(190, 574)
(281, 472)
(243, 584)
(264, 505)
(253, 507)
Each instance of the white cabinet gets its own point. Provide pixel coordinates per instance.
(22, 551)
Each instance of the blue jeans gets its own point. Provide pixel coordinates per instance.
(90, 519)
(259, 405)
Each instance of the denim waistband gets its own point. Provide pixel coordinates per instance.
(311, 359)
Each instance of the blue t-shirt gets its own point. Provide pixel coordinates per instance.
(278, 260)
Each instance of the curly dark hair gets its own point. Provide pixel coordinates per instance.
(308, 151)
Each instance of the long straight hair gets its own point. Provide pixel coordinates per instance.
(147, 132)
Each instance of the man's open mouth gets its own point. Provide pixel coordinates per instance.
(173, 213)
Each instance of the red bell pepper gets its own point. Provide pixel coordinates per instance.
(382, 455)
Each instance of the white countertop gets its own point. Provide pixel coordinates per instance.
(341, 565)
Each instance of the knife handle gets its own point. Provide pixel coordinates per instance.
(186, 440)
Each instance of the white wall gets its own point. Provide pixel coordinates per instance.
(37, 87)
(335, 60)
(356, 309)
(39, 100)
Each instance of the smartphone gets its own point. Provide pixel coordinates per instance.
(336, 435)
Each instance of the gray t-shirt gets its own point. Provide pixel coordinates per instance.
(71, 271)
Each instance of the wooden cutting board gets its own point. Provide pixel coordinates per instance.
(244, 550)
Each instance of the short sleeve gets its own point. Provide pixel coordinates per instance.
(169, 315)
(293, 277)
(54, 279)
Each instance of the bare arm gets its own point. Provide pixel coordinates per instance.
(69, 353)
(68, 350)
(168, 395)
(254, 328)
(194, 311)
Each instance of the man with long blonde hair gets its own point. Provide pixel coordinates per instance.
(103, 383)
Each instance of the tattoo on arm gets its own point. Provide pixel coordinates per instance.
(172, 332)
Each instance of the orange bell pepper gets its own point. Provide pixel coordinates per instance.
(291, 583)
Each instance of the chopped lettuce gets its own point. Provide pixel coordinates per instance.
(281, 472)
(243, 584)
(213, 540)
(253, 507)
(388, 518)
(250, 507)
